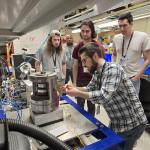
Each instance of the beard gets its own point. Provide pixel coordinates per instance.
(85, 38)
(93, 67)
(69, 44)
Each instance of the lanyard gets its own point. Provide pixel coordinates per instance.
(70, 53)
(99, 78)
(127, 46)
(54, 59)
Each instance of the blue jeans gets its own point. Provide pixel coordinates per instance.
(81, 101)
(130, 137)
(68, 75)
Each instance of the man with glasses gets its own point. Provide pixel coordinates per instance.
(80, 76)
(111, 87)
(128, 48)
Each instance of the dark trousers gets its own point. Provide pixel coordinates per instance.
(68, 75)
(81, 101)
(130, 137)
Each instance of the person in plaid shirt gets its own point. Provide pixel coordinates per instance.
(112, 88)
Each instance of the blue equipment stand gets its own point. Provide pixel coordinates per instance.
(109, 139)
(2, 113)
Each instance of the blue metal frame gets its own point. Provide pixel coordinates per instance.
(111, 141)
(108, 58)
(147, 71)
(2, 114)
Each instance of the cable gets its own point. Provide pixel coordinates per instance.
(36, 133)
(14, 105)
(5, 64)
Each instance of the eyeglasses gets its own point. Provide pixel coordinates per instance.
(84, 60)
(123, 26)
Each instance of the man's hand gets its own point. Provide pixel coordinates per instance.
(135, 78)
(74, 83)
(37, 67)
(75, 91)
(65, 88)
(70, 90)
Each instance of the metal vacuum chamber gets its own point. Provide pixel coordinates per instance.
(45, 97)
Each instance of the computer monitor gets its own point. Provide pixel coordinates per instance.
(18, 60)
(147, 70)
(108, 57)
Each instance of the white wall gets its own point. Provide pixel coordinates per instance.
(33, 40)
(142, 25)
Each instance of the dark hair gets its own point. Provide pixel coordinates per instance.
(90, 24)
(50, 47)
(89, 49)
(127, 16)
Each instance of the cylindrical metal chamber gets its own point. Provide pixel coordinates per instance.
(45, 97)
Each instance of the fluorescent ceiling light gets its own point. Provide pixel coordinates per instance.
(142, 17)
(76, 30)
(108, 24)
(99, 20)
(115, 23)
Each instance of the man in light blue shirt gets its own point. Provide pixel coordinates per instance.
(68, 49)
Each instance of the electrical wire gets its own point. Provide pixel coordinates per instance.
(5, 65)
(9, 96)
(14, 105)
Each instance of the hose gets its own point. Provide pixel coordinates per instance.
(36, 133)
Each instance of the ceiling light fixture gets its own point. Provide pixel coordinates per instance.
(108, 24)
(142, 17)
(76, 30)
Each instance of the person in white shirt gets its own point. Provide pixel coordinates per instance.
(128, 48)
